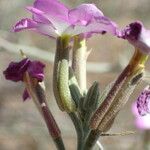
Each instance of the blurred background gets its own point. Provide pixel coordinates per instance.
(21, 127)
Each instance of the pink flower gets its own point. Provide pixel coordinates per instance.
(52, 18)
(143, 102)
(141, 122)
(141, 109)
(138, 36)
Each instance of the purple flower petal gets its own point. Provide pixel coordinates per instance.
(36, 70)
(101, 25)
(138, 36)
(52, 8)
(25, 95)
(84, 14)
(38, 15)
(24, 24)
(56, 17)
(143, 102)
(88, 19)
(42, 28)
(16, 70)
(46, 29)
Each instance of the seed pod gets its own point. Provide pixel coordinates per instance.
(63, 86)
(105, 92)
(62, 52)
(120, 99)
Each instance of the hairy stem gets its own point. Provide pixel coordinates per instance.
(79, 61)
(78, 126)
(91, 140)
(37, 93)
(51, 124)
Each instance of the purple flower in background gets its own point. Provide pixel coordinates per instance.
(143, 102)
(141, 122)
(138, 36)
(52, 18)
(16, 70)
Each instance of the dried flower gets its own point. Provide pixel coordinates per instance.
(16, 70)
(138, 36)
(52, 18)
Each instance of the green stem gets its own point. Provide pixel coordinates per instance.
(78, 126)
(91, 140)
(86, 123)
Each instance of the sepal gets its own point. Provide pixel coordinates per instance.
(92, 97)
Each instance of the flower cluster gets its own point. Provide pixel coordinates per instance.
(52, 18)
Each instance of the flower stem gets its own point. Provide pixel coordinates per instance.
(79, 61)
(59, 143)
(78, 126)
(38, 94)
(30, 88)
(91, 140)
(52, 126)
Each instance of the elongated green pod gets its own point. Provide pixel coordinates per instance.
(92, 97)
(55, 86)
(116, 98)
(120, 99)
(105, 93)
(62, 52)
(63, 86)
(136, 63)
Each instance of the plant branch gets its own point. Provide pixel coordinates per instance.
(78, 126)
